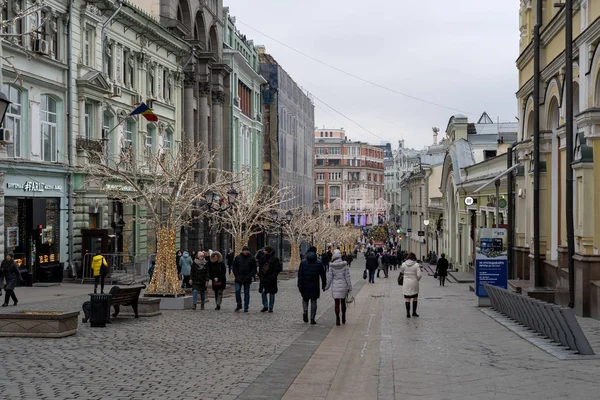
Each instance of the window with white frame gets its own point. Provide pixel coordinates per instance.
(149, 141)
(49, 31)
(13, 119)
(321, 150)
(89, 120)
(128, 129)
(320, 176)
(10, 11)
(167, 138)
(48, 125)
(334, 191)
(88, 46)
(334, 150)
(107, 126)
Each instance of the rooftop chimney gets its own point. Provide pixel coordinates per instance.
(436, 131)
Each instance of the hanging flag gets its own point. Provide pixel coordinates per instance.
(146, 112)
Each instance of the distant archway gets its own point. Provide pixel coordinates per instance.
(200, 29)
(183, 13)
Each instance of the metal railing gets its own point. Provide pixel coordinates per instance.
(556, 323)
(124, 268)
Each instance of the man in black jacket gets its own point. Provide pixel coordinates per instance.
(372, 265)
(269, 268)
(244, 269)
(311, 272)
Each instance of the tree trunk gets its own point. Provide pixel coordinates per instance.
(164, 279)
(240, 241)
(294, 257)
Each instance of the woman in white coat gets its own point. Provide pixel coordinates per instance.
(338, 279)
(412, 275)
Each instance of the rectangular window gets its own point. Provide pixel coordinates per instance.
(320, 150)
(320, 176)
(88, 47)
(89, 120)
(148, 151)
(13, 120)
(334, 191)
(48, 125)
(166, 140)
(320, 162)
(320, 191)
(335, 150)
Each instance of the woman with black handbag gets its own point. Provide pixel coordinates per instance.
(410, 273)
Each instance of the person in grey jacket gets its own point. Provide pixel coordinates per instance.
(185, 263)
(338, 279)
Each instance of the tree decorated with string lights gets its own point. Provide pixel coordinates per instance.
(171, 186)
(300, 228)
(251, 212)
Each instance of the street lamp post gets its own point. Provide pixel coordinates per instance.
(426, 223)
(219, 205)
(281, 222)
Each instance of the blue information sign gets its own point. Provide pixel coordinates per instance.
(491, 265)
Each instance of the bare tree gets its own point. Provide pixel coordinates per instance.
(301, 228)
(170, 187)
(250, 213)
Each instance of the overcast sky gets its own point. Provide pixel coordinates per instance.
(459, 54)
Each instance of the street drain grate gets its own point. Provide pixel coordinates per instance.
(433, 298)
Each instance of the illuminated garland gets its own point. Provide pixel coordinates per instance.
(165, 280)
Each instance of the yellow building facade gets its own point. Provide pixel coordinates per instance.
(586, 175)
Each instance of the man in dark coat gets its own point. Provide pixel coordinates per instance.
(372, 266)
(244, 269)
(229, 260)
(441, 269)
(9, 270)
(269, 268)
(309, 273)
(325, 260)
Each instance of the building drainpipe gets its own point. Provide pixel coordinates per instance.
(511, 213)
(104, 25)
(536, 146)
(569, 148)
(70, 205)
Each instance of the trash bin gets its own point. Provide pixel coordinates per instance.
(100, 309)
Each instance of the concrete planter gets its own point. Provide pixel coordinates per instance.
(147, 307)
(173, 303)
(45, 324)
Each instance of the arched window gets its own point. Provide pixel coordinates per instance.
(48, 127)
(13, 119)
(167, 140)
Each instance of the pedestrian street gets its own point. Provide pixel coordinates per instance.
(452, 351)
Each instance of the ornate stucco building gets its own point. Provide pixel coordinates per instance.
(586, 100)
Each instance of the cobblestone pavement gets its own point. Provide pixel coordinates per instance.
(180, 354)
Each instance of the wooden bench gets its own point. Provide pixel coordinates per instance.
(121, 296)
(125, 296)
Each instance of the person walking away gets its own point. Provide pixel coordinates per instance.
(199, 275)
(185, 264)
(310, 272)
(372, 266)
(229, 260)
(9, 270)
(259, 255)
(441, 269)
(385, 261)
(244, 269)
(338, 278)
(412, 275)
(268, 270)
(325, 260)
(99, 270)
(151, 270)
(394, 260)
(349, 259)
(218, 277)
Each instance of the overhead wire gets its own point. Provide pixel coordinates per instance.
(356, 76)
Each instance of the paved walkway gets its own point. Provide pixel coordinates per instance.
(453, 351)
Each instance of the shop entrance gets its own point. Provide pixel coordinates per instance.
(94, 240)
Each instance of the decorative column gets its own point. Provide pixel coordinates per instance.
(203, 113)
(218, 101)
(189, 106)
